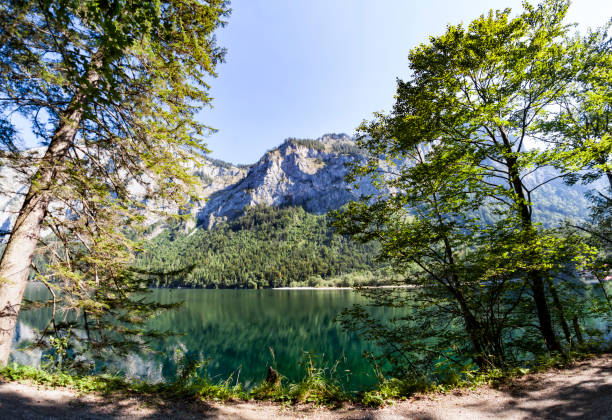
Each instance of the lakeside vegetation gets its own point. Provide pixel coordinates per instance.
(318, 386)
(490, 291)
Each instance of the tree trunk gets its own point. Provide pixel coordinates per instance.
(19, 252)
(537, 284)
(577, 330)
(474, 331)
(472, 326)
(546, 326)
(559, 308)
(537, 288)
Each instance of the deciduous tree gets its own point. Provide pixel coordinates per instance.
(474, 107)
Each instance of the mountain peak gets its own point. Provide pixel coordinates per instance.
(303, 172)
(300, 172)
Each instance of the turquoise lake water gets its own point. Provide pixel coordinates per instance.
(242, 332)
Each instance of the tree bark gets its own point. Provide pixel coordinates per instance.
(577, 331)
(543, 312)
(474, 331)
(19, 252)
(559, 307)
(537, 284)
(472, 326)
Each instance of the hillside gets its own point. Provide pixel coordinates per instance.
(305, 173)
(234, 241)
(311, 174)
(269, 229)
(266, 247)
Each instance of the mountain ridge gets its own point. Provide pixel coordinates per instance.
(308, 173)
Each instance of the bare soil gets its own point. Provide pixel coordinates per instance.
(583, 391)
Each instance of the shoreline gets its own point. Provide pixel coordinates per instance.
(405, 286)
(341, 287)
(579, 390)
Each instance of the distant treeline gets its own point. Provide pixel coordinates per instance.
(267, 247)
(226, 165)
(340, 148)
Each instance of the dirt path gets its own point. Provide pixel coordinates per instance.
(582, 392)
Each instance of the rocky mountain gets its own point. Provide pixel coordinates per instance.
(305, 173)
(310, 174)
(13, 187)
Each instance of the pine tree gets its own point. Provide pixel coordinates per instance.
(111, 88)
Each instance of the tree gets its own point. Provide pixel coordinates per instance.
(581, 143)
(111, 88)
(473, 107)
(580, 130)
(427, 231)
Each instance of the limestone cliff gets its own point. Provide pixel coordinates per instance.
(307, 173)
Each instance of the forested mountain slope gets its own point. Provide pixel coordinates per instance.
(284, 237)
(266, 247)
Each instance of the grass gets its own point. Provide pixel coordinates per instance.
(318, 385)
(443, 380)
(86, 383)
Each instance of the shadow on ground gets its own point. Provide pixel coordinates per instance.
(17, 403)
(589, 398)
(582, 392)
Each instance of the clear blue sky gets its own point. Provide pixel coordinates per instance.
(302, 68)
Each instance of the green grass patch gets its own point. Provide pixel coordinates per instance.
(318, 386)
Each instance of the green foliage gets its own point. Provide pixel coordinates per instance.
(318, 386)
(220, 163)
(83, 338)
(493, 287)
(339, 148)
(100, 383)
(580, 132)
(267, 247)
(113, 89)
(348, 149)
(447, 378)
(581, 139)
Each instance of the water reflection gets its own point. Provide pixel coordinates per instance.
(236, 329)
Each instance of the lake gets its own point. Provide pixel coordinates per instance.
(242, 332)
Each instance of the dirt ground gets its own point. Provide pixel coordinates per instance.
(581, 392)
